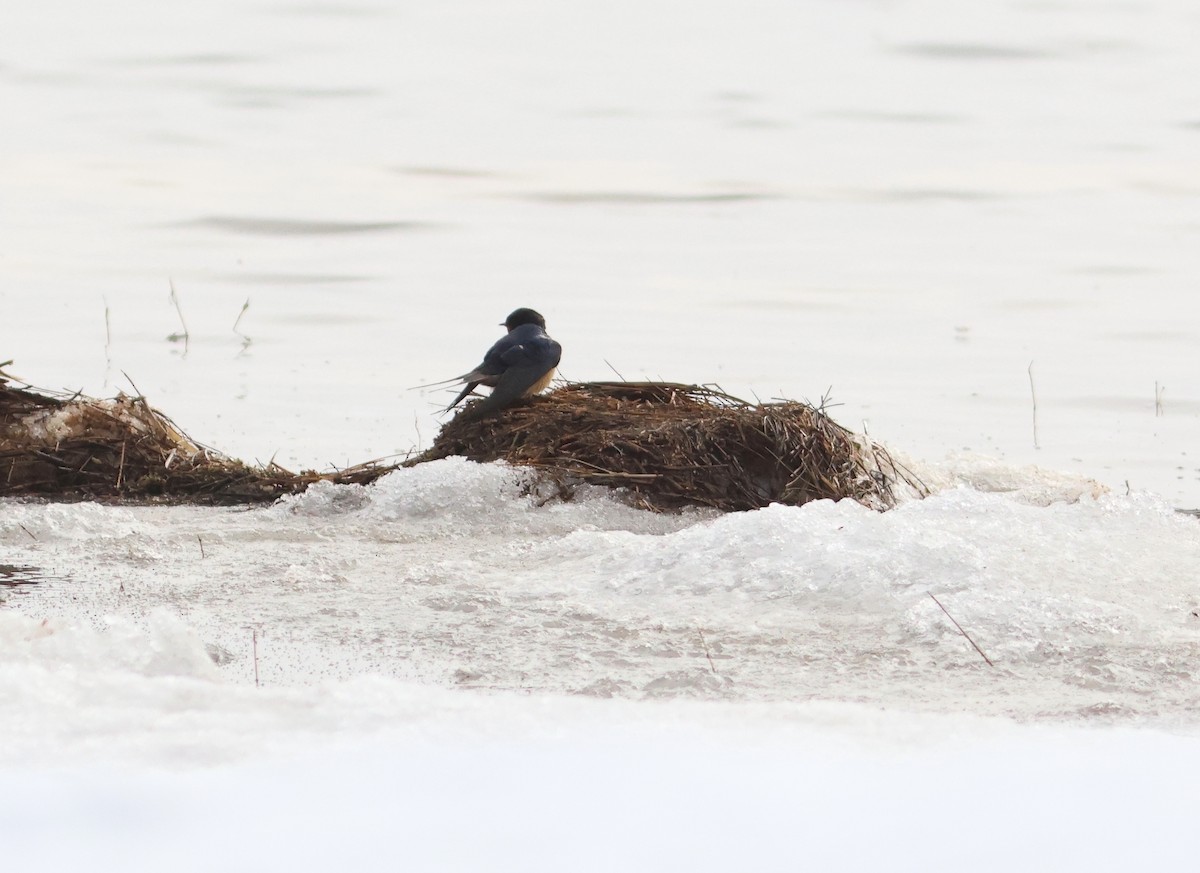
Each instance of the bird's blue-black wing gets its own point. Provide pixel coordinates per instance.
(525, 365)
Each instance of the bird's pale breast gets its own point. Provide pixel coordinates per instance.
(540, 385)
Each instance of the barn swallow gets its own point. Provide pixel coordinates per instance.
(520, 364)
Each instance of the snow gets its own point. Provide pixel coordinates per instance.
(636, 800)
(634, 787)
(453, 573)
(909, 202)
(451, 675)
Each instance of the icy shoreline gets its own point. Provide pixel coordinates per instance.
(449, 576)
(432, 648)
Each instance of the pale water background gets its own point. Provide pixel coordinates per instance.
(904, 202)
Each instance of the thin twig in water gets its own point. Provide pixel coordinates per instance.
(176, 337)
(201, 542)
(1033, 394)
(238, 320)
(27, 530)
(961, 631)
(707, 653)
(245, 339)
(1158, 399)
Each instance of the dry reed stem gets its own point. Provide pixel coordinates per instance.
(1033, 395)
(961, 631)
(707, 653)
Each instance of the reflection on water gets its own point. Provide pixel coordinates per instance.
(330, 10)
(1131, 404)
(880, 117)
(202, 59)
(974, 52)
(918, 195)
(1115, 270)
(447, 172)
(263, 97)
(295, 227)
(288, 278)
(1154, 336)
(1032, 305)
(643, 198)
(753, 123)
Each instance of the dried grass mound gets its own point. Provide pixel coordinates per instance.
(667, 445)
(74, 447)
(673, 445)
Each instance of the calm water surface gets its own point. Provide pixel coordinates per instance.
(907, 203)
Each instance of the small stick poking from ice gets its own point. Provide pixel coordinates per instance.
(201, 542)
(1033, 394)
(254, 648)
(707, 653)
(961, 631)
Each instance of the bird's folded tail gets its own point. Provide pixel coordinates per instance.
(435, 384)
(480, 375)
(516, 383)
(467, 389)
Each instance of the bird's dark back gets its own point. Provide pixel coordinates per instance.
(533, 338)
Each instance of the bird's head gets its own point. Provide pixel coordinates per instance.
(524, 316)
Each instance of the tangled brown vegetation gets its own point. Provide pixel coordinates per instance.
(672, 445)
(71, 447)
(666, 445)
